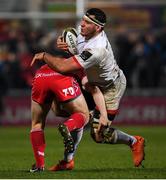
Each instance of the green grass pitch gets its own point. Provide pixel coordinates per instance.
(92, 161)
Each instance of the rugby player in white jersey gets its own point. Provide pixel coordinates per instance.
(106, 80)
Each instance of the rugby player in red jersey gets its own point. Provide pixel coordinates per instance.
(50, 86)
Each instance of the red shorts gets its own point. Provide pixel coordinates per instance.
(48, 84)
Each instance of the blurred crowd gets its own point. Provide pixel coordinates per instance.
(141, 55)
(18, 43)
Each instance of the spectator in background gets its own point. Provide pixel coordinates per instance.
(3, 91)
(3, 80)
(162, 42)
(24, 41)
(153, 55)
(125, 41)
(137, 65)
(14, 72)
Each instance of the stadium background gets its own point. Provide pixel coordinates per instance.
(137, 31)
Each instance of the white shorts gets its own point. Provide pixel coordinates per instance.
(114, 94)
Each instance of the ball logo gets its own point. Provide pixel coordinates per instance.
(72, 43)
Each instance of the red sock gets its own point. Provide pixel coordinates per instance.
(75, 121)
(38, 145)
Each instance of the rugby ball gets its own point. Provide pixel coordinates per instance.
(70, 37)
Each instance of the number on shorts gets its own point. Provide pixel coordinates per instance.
(68, 91)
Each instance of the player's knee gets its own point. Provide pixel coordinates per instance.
(37, 123)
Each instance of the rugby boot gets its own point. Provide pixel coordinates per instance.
(67, 138)
(138, 151)
(62, 165)
(36, 169)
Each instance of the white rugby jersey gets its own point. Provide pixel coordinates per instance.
(96, 57)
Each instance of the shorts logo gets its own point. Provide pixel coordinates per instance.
(85, 55)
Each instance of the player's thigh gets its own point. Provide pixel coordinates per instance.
(39, 113)
(58, 109)
(55, 107)
(77, 105)
(113, 95)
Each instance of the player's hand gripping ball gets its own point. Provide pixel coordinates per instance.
(70, 37)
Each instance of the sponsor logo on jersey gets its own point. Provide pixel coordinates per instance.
(46, 74)
(85, 55)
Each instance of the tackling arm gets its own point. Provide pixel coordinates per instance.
(100, 103)
(59, 64)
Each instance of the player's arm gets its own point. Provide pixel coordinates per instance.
(57, 63)
(99, 101)
(61, 65)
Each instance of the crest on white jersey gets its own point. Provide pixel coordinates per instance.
(85, 55)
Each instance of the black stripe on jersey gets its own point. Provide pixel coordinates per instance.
(85, 55)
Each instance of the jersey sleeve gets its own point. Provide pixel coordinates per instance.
(88, 58)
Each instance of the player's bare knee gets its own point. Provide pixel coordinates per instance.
(37, 123)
